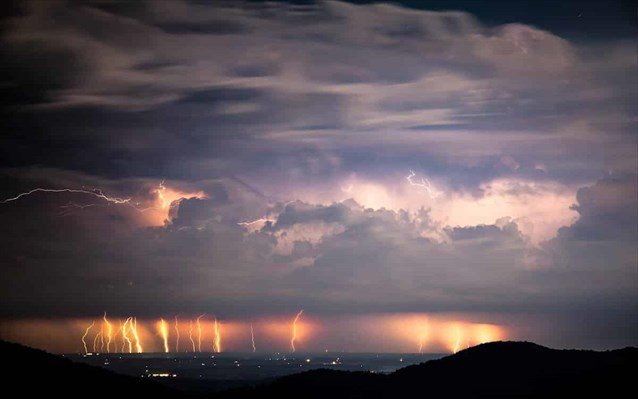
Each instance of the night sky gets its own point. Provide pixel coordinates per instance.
(464, 162)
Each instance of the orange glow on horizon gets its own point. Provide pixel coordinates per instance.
(395, 333)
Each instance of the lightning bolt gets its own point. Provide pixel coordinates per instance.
(86, 332)
(176, 335)
(422, 335)
(109, 333)
(217, 345)
(138, 344)
(249, 223)
(424, 183)
(96, 193)
(267, 218)
(457, 342)
(96, 340)
(252, 337)
(160, 194)
(125, 339)
(102, 339)
(199, 333)
(190, 333)
(119, 330)
(294, 331)
(163, 330)
(70, 206)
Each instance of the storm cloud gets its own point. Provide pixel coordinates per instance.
(283, 136)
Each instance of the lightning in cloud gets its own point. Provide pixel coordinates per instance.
(176, 335)
(86, 332)
(71, 206)
(163, 330)
(294, 331)
(423, 183)
(109, 332)
(96, 193)
(250, 223)
(190, 333)
(160, 195)
(199, 333)
(217, 344)
(252, 337)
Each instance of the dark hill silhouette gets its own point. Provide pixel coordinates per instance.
(32, 373)
(494, 370)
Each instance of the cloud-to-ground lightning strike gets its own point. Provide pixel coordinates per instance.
(294, 331)
(97, 338)
(96, 193)
(217, 343)
(86, 332)
(163, 330)
(102, 338)
(125, 338)
(176, 335)
(424, 183)
(190, 333)
(138, 344)
(252, 337)
(457, 341)
(199, 333)
(109, 333)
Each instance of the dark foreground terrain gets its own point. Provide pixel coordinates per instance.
(500, 369)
